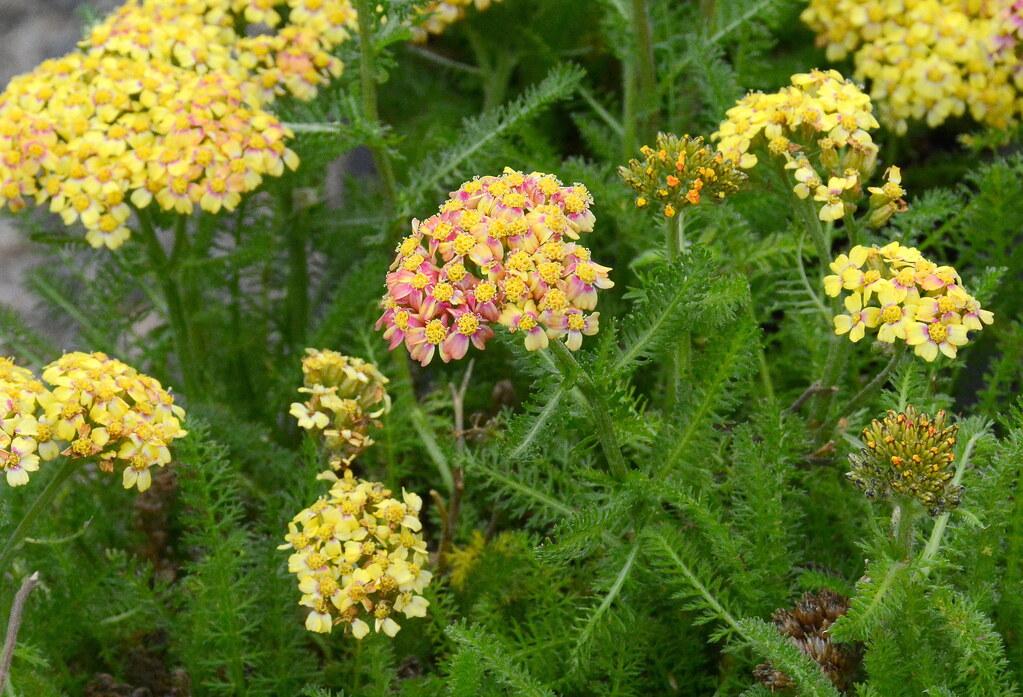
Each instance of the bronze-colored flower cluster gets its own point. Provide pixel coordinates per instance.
(909, 454)
(679, 172)
(807, 625)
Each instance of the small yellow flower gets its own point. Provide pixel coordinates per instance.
(918, 302)
(347, 397)
(358, 554)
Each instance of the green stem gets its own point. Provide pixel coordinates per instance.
(298, 274)
(41, 503)
(864, 394)
(357, 668)
(765, 370)
(938, 533)
(822, 241)
(571, 370)
(674, 232)
(368, 78)
(645, 76)
(175, 307)
(903, 520)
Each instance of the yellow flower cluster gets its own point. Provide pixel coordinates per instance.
(927, 60)
(438, 15)
(359, 556)
(165, 101)
(909, 454)
(358, 552)
(917, 301)
(21, 443)
(679, 172)
(346, 397)
(96, 407)
(820, 126)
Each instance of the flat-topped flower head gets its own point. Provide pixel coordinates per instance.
(105, 410)
(680, 172)
(164, 104)
(897, 293)
(927, 61)
(26, 436)
(346, 398)
(501, 250)
(359, 557)
(819, 126)
(909, 454)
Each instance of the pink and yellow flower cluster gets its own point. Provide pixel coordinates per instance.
(90, 407)
(164, 102)
(359, 556)
(820, 127)
(928, 60)
(500, 250)
(897, 293)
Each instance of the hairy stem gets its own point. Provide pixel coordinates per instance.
(571, 370)
(176, 314)
(674, 236)
(368, 79)
(41, 503)
(13, 625)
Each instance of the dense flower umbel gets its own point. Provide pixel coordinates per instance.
(909, 454)
(106, 410)
(163, 103)
(346, 397)
(820, 127)
(498, 251)
(438, 15)
(807, 625)
(25, 433)
(680, 172)
(927, 60)
(896, 292)
(359, 557)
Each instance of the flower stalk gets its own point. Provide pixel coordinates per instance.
(42, 503)
(370, 108)
(176, 314)
(572, 371)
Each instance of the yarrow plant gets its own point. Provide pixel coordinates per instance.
(22, 440)
(359, 558)
(806, 625)
(108, 411)
(912, 455)
(96, 407)
(820, 129)
(166, 103)
(894, 291)
(347, 396)
(500, 250)
(679, 172)
(927, 60)
(358, 553)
